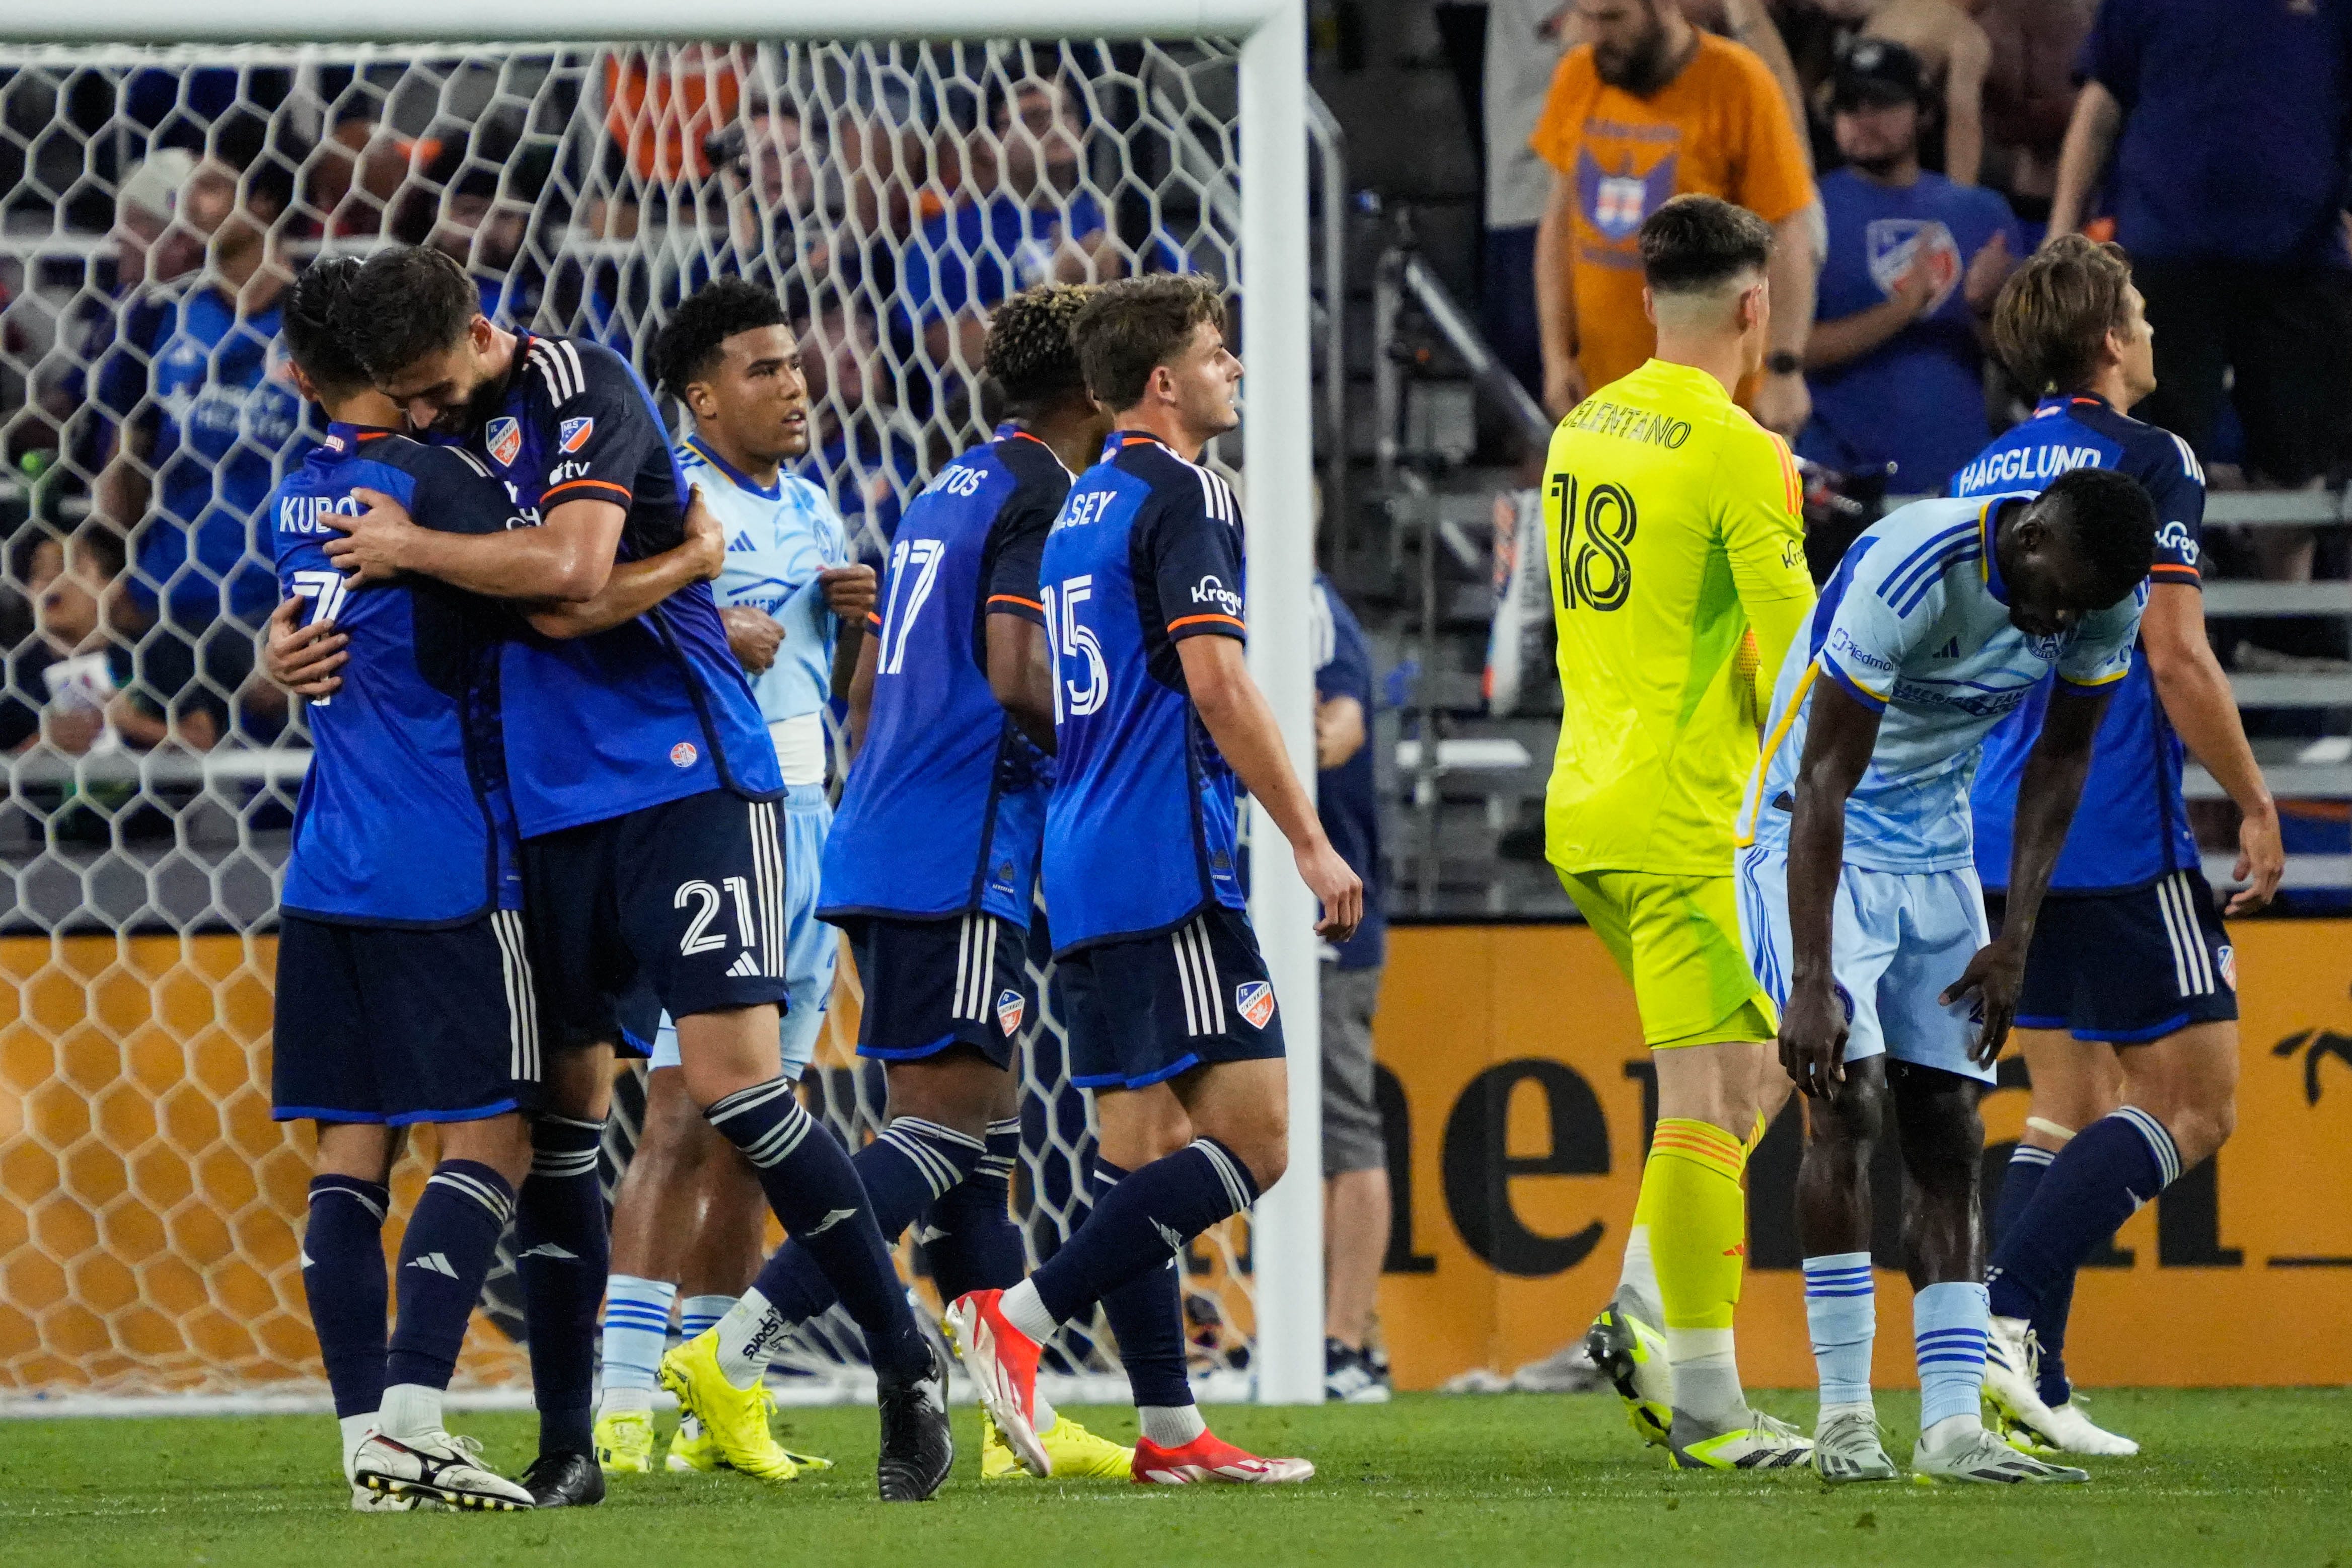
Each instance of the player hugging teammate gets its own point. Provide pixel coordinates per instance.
(516, 629)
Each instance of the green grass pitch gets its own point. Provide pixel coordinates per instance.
(2257, 1480)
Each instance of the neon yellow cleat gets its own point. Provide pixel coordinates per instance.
(1075, 1451)
(624, 1443)
(734, 1420)
(691, 1450)
(1632, 1356)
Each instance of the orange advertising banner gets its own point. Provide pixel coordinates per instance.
(1518, 1098)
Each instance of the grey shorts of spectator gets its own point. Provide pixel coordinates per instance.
(1353, 1139)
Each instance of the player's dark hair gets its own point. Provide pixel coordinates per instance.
(2052, 317)
(315, 308)
(1696, 245)
(405, 303)
(1134, 326)
(2108, 516)
(691, 340)
(1032, 355)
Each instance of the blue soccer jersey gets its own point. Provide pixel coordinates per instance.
(946, 802)
(2133, 825)
(1141, 835)
(778, 537)
(400, 821)
(644, 713)
(1915, 625)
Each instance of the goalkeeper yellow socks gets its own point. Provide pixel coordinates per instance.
(1697, 1218)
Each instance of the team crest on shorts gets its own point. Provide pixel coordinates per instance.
(503, 436)
(1255, 998)
(1010, 1005)
(573, 433)
(683, 754)
(2229, 959)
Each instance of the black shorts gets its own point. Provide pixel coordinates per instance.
(687, 897)
(933, 984)
(381, 1024)
(1144, 1011)
(2129, 967)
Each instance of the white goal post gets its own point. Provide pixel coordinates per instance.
(1277, 434)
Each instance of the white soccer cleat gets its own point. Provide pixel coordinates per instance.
(1975, 1457)
(2011, 1361)
(438, 1467)
(2070, 1431)
(1847, 1448)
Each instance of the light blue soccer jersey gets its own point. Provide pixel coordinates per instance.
(1915, 624)
(778, 537)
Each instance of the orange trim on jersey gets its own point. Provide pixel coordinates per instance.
(1016, 599)
(873, 619)
(1143, 441)
(2173, 569)
(621, 490)
(372, 434)
(1025, 435)
(1206, 620)
(1790, 478)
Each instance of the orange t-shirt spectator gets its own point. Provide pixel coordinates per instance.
(1626, 128)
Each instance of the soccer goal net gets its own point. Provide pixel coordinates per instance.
(156, 200)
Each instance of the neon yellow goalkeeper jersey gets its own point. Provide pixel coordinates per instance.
(1672, 523)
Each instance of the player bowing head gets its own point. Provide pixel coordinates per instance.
(1864, 919)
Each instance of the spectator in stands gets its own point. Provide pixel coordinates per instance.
(208, 419)
(1956, 55)
(2228, 122)
(2029, 96)
(868, 454)
(76, 683)
(356, 175)
(1522, 49)
(1653, 108)
(1896, 356)
(1020, 219)
(1355, 1145)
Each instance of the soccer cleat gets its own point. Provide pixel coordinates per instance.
(690, 1449)
(2067, 1430)
(733, 1420)
(1975, 1457)
(918, 1448)
(2011, 1358)
(1003, 1361)
(366, 1501)
(1847, 1448)
(1350, 1377)
(1209, 1457)
(624, 1443)
(1632, 1356)
(437, 1467)
(565, 1481)
(1759, 1442)
(1073, 1450)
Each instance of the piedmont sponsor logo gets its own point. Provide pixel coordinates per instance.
(502, 437)
(573, 433)
(1210, 591)
(2023, 463)
(1852, 653)
(1254, 1002)
(683, 754)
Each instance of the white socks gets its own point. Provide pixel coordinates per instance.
(1024, 1310)
(410, 1413)
(747, 1337)
(1945, 1430)
(355, 1429)
(1637, 1282)
(1172, 1426)
(1706, 1374)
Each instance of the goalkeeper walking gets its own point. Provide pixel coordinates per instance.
(1671, 521)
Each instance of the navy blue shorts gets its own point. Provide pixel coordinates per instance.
(933, 984)
(2129, 967)
(1142, 1012)
(687, 897)
(381, 1024)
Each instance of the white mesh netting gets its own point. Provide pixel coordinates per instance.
(155, 200)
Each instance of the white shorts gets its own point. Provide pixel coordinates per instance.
(1897, 940)
(812, 948)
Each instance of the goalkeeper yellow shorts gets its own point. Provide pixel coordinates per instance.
(1677, 939)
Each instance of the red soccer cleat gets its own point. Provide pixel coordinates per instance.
(1003, 1361)
(1209, 1457)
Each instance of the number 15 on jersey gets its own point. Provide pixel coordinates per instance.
(1594, 525)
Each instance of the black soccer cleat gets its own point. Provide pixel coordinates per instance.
(918, 1450)
(565, 1481)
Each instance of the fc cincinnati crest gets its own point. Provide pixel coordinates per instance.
(1255, 998)
(573, 433)
(504, 438)
(1897, 244)
(2229, 957)
(1616, 203)
(1010, 1005)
